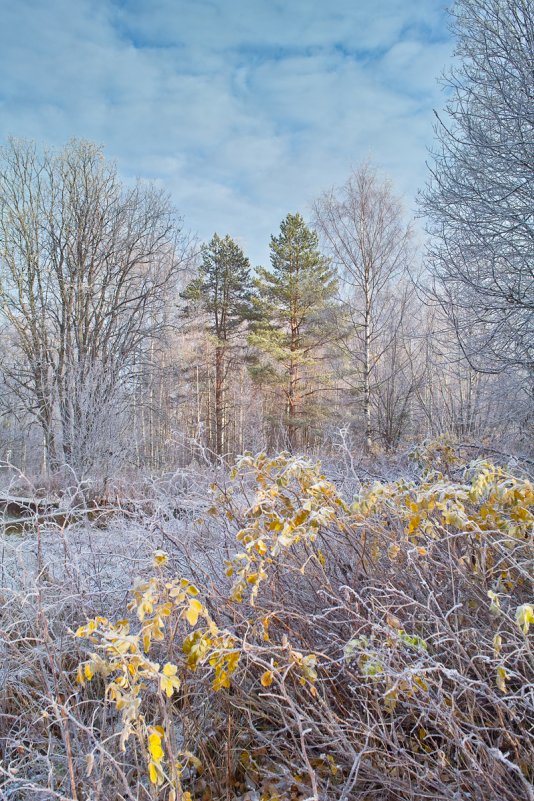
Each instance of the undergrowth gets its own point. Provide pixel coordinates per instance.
(376, 647)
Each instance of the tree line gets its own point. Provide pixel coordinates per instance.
(123, 342)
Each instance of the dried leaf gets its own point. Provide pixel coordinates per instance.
(267, 678)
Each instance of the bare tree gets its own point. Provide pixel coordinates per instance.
(480, 197)
(453, 398)
(85, 266)
(363, 229)
(400, 370)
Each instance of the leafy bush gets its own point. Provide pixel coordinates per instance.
(377, 648)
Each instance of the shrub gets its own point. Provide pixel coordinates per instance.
(377, 648)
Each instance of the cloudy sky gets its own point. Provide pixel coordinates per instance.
(243, 109)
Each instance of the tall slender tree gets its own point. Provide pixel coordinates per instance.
(223, 290)
(362, 228)
(295, 296)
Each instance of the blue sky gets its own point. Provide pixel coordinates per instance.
(243, 109)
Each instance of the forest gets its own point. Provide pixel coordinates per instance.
(266, 531)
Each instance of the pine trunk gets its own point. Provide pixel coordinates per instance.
(219, 401)
(292, 391)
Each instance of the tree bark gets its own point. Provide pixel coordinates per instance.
(292, 399)
(219, 401)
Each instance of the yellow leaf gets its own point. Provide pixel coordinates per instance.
(155, 773)
(288, 537)
(222, 679)
(495, 606)
(265, 623)
(177, 595)
(497, 644)
(333, 766)
(300, 517)
(393, 551)
(145, 608)
(192, 760)
(160, 558)
(524, 616)
(154, 746)
(421, 683)
(169, 681)
(88, 672)
(422, 551)
(414, 523)
(502, 675)
(193, 611)
(267, 678)
(261, 547)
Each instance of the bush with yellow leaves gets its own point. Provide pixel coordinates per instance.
(375, 647)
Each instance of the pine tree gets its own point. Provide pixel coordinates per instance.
(223, 290)
(294, 299)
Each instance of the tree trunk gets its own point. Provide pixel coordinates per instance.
(292, 398)
(219, 401)
(367, 380)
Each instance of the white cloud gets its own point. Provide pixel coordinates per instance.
(244, 109)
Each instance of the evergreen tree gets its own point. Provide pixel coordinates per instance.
(223, 290)
(294, 299)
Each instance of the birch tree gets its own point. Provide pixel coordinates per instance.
(85, 266)
(363, 230)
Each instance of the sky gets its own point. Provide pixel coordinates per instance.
(244, 110)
